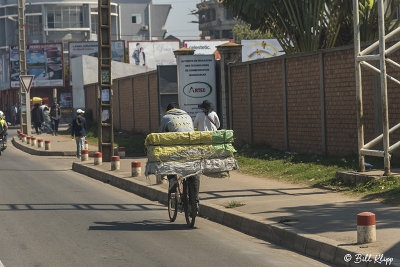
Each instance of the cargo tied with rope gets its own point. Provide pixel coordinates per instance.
(191, 153)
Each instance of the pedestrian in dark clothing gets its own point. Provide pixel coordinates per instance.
(37, 118)
(55, 115)
(78, 131)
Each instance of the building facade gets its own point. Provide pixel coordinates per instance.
(62, 21)
(215, 21)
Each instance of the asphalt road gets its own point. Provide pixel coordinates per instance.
(52, 216)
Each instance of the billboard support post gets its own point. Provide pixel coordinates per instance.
(24, 95)
(105, 93)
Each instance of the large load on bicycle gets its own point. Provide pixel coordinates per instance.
(191, 153)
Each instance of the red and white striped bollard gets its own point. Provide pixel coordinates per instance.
(121, 152)
(136, 168)
(47, 145)
(366, 228)
(98, 158)
(115, 163)
(84, 155)
(33, 141)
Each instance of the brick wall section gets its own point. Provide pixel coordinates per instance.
(154, 112)
(116, 105)
(267, 99)
(340, 102)
(368, 104)
(393, 99)
(140, 103)
(126, 100)
(240, 104)
(303, 102)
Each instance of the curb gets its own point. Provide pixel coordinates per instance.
(36, 152)
(283, 235)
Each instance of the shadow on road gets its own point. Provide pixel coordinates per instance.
(207, 195)
(14, 170)
(146, 225)
(80, 206)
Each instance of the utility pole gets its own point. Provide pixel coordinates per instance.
(24, 96)
(104, 92)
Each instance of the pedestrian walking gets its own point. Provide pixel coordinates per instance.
(37, 118)
(46, 125)
(14, 115)
(206, 119)
(78, 131)
(55, 115)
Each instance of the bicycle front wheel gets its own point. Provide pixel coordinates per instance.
(190, 205)
(173, 194)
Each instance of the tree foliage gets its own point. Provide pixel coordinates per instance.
(308, 25)
(244, 32)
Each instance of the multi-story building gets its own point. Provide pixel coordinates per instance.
(62, 21)
(215, 21)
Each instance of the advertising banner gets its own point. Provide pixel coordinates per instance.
(152, 53)
(77, 49)
(206, 47)
(44, 61)
(65, 100)
(258, 49)
(4, 72)
(196, 82)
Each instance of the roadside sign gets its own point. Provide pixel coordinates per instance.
(26, 81)
(196, 82)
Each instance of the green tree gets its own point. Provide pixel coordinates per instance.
(308, 25)
(244, 32)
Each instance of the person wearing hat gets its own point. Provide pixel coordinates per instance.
(78, 131)
(206, 119)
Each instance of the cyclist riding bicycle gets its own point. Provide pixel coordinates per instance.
(3, 128)
(177, 120)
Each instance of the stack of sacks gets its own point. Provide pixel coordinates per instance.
(191, 153)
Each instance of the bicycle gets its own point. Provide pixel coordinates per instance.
(182, 197)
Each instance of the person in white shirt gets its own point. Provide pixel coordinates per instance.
(207, 119)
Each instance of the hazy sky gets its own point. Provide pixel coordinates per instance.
(178, 22)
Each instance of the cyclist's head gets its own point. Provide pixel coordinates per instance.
(172, 106)
(1, 114)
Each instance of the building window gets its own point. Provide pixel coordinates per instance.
(94, 24)
(34, 25)
(137, 18)
(65, 17)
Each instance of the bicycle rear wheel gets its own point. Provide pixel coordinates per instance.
(190, 205)
(173, 194)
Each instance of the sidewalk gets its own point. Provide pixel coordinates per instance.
(316, 222)
(61, 145)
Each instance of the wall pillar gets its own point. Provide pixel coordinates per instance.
(230, 53)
